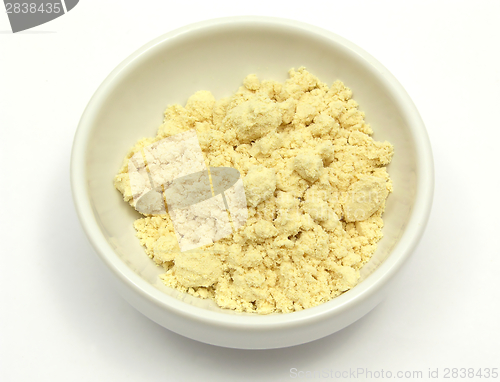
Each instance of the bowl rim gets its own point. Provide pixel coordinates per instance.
(373, 283)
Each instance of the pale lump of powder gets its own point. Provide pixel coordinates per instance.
(315, 183)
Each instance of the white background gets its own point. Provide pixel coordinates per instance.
(60, 320)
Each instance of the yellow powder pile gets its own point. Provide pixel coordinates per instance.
(315, 183)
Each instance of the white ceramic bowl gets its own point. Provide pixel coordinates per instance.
(216, 55)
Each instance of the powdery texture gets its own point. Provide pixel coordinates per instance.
(315, 182)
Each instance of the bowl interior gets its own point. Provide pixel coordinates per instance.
(217, 57)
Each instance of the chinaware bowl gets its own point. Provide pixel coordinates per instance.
(216, 55)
